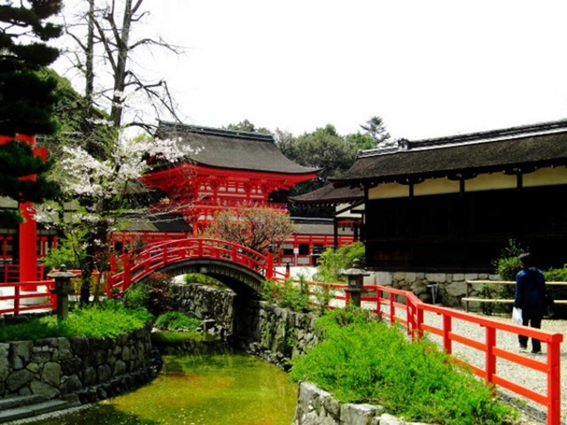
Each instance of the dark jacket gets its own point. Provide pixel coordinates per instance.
(530, 292)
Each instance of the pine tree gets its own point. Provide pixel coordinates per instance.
(27, 99)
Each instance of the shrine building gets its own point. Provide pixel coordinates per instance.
(228, 169)
(223, 169)
(452, 204)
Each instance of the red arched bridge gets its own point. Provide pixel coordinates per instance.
(240, 268)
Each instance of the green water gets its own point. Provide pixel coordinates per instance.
(208, 389)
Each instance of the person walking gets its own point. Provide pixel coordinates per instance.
(530, 297)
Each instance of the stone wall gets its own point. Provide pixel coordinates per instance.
(318, 407)
(90, 368)
(451, 287)
(214, 306)
(274, 333)
(260, 328)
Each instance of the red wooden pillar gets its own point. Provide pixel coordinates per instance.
(27, 236)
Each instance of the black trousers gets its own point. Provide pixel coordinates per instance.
(533, 321)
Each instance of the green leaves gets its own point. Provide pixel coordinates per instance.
(362, 359)
(109, 319)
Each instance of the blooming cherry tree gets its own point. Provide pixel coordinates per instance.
(96, 197)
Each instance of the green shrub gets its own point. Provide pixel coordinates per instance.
(203, 279)
(109, 318)
(332, 262)
(154, 294)
(508, 265)
(287, 294)
(136, 296)
(176, 321)
(364, 360)
(559, 311)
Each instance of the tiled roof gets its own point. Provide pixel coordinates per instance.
(330, 195)
(166, 222)
(230, 149)
(510, 150)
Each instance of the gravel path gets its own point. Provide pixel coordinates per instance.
(532, 412)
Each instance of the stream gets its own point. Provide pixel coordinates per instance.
(229, 388)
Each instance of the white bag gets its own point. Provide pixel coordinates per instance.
(517, 316)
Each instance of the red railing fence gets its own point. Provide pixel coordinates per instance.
(427, 320)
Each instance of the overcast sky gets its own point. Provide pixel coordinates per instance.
(428, 68)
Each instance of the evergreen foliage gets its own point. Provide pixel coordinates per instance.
(27, 98)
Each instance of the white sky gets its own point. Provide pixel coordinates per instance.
(427, 67)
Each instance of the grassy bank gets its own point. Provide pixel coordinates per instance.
(364, 360)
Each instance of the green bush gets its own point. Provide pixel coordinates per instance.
(176, 321)
(364, 360)
(154, 294)
(287, 294)
(109, 318)
(507, 267)
(559, 311)
(203, 279)
(332, 262)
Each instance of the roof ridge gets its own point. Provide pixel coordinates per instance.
(240, 134)
(469, 138)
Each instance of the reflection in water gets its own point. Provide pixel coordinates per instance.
(202, 389)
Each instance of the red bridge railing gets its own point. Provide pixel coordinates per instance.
(130, 268)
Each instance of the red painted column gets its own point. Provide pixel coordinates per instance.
(28, 228)
(28, 233)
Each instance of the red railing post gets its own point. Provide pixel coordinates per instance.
(126, 273)
(199, 247)
(554, 382)
(447, 328)
(419, 322)
(235, 254)
(490, 358)
(17, 297)
(410, 318)
(269, 266)
(392, 307)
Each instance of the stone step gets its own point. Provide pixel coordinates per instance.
(34, 409)
(18, 401)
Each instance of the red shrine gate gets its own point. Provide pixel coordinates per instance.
(222, 169)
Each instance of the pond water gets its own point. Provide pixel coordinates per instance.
(200, 389)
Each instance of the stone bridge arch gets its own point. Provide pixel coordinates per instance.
(243, 281)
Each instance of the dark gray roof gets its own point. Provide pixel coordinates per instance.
(164, 222)
(313, 225)
(230, 149)
(517, 149)
(330, 195)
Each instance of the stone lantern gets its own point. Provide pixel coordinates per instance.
(62, 290)
(355, 276)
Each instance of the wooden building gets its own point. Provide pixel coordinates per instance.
(452, 204)
(222, 169)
